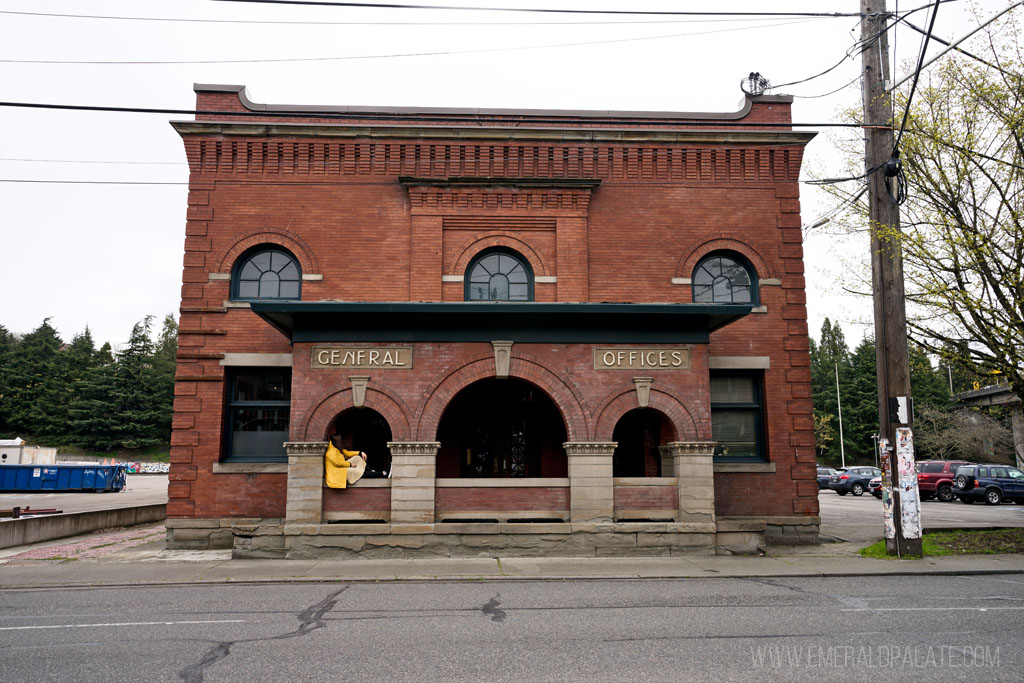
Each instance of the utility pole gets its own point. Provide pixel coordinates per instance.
(902, 501)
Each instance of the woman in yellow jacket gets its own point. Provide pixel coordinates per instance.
(343, 467)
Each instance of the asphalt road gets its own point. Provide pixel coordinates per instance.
(795, 629)
(140, 489)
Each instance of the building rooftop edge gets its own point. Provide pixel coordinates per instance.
(746, 106)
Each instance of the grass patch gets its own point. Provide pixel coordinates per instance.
(959, 542)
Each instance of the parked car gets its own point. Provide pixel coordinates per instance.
(935, 478)
(875, 487)
(853, 480)
(991, 483)
(824, 474)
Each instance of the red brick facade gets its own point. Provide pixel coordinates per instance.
(391, 206)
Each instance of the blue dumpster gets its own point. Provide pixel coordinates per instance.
(68, 478)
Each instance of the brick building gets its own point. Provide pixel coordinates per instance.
(559, 331)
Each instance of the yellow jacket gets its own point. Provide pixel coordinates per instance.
(342, 467)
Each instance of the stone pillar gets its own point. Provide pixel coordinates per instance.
(667, 463)
(692, 463)
(305, 481)
(591, 494)
(413, 469)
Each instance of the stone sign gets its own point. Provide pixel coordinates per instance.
(642, 359)
(362, 357)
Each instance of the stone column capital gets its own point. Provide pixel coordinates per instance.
(583, 448)
(414, 447)
(689, 448)
(305, 448)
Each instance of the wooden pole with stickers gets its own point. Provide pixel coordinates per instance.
(901, 500)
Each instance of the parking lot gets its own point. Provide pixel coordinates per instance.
(860, 518)
(140, 489)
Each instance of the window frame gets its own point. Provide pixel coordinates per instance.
(522, 260)
(247, 256)
(231, 376)
(741, 261)
(757, 408)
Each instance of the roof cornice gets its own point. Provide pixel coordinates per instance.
(311, 110)
(477, 132)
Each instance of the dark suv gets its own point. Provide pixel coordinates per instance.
(853, 480)
(935, 478)
(990, 483)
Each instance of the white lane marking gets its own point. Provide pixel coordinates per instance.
(124, 623)
(924, 609)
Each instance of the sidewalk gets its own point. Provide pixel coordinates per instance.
(136, 556)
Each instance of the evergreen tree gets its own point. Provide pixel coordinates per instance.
(928, 385)
(93, 421)
(829, 356)
(860, 405)
(135, 378)
(121, 405)
(36, 384)
(165, 363)
(7, 343)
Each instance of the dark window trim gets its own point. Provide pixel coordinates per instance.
(760, 421)
(755, 287)
(246, 256)
(230, 378)
(499, 250)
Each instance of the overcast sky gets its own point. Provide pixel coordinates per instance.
(94, 250)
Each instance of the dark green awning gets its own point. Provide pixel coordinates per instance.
(331, 321)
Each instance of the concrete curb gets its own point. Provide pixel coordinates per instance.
(167, 572)
(484, 577)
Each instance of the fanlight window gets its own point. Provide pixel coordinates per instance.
(267, 274)
(499, 276)
(723, 280)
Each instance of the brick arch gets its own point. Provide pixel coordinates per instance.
(614, 408)
(473, 248)
(547, 381)
(332, 405)
(270, 236)
(689, 261)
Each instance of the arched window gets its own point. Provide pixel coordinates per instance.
(724, 279)
(266, 273)
(499, 275)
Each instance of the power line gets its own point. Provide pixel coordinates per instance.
(474, 118)
(830, 92)
(951, 46)
(858, 46)
(192, 20)
(89, 182)
(383, 5)
(392, 56)
(92, 161)
(917, 75)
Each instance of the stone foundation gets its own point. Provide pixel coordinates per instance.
(204, 534)
(787, 530)
(376, 541)
(272, 538)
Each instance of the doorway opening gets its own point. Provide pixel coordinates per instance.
(366, 430)
(640, 434)
(501, 428)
